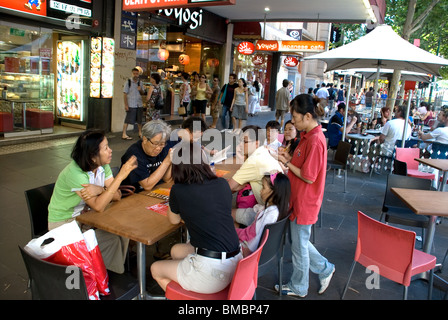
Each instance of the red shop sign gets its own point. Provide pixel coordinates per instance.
(291, 61)
(258, 59)
(246, 48)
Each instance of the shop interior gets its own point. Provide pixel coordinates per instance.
(169, 50)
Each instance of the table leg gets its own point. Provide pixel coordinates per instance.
(141, 268)
(443, 182)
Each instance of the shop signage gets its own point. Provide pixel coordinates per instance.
(258, 59)
(38, 8)
(185, 16)
(68, 8)
(246, 48)
(294, 33)
(291, 61)
(128, 37)
(290, 46)
(267, 45)
(146, 5)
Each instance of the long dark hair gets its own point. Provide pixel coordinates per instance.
(305, 103)
(281, 192)
(189, 165)
(86, 148)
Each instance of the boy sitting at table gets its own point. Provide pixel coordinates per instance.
(272, 130)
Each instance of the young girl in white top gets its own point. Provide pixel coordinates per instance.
(275, 193)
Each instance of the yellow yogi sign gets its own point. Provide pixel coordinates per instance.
(139, 5)
(290, 46)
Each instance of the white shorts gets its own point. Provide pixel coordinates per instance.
(206, 275)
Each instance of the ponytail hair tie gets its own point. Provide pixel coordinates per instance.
(273, 176)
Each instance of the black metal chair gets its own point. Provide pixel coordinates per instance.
(395, 211)
(340, 160)
(38, 200)
(400, 168)
(48, 281)
(273, 250)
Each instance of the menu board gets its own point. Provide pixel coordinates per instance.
(95, 67)
(107, 72)
(101, 67)
(69, 79)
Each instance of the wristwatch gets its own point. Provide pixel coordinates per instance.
(286, 163)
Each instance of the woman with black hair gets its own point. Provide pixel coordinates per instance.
(290, 140)
(154, 92)
(306, 172)
(240, 105)
(275, 194)
(87, 182)
(204, 202)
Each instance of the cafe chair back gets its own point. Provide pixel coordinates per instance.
(273, 250)
(439, 151)
(242, 287)
(408, 155)
(395, 211)
(38, 200)
(339, 162)
(48, 281)
(390, 252)
(400, 168)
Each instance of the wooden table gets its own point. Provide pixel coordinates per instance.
(425, 202)
(439, 164)
(428, 203)
(131, 219)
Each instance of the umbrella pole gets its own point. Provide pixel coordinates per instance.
(347, 105)
(406, 119)
(375, 90)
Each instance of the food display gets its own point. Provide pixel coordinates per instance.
(101, 67)
(69, 79)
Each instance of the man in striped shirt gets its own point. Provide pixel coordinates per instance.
(133, 103)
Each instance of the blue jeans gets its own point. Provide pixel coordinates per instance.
(305, 257)
(225, 110)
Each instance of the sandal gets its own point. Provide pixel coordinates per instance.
(126, 138)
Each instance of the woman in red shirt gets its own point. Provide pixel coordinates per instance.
(307, 172)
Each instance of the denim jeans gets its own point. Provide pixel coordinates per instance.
(305, 257)
(225, 110)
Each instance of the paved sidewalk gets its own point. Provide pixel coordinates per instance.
(336, 239)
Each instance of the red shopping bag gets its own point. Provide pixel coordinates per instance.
(101, 276)
(66, 246)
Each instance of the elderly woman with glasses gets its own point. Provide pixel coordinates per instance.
(153, 156)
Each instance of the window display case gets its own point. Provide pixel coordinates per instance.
(27, 101)
(27, 81)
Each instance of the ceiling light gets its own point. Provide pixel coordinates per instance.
(267, 9)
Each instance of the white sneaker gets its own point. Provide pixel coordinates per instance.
(286, 291)
(325, 282)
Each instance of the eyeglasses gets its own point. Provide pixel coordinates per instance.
(155, 145)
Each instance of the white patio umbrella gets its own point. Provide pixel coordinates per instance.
(382, 48)
(370, 74)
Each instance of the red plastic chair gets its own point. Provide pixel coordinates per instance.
(392, 251)
(242, 287)
(408, 155)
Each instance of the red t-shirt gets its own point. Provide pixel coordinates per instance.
(311, 157)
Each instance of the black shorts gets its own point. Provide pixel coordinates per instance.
(200, 106)
(134, 115)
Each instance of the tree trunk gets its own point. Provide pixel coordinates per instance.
(406, 33)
